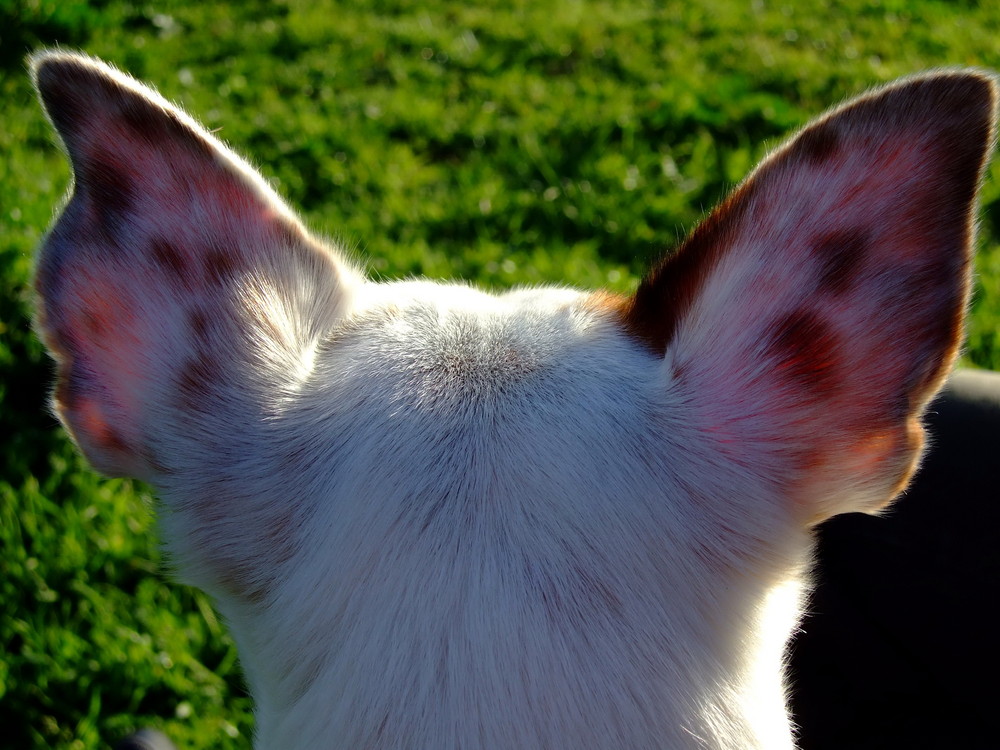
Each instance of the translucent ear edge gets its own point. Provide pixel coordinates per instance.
(654, 312)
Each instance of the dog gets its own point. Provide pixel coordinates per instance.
(436, 517)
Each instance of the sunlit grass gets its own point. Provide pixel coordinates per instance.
(507, 143)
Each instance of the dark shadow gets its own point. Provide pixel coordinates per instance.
(899, 649)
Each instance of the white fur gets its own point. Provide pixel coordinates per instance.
(479, 567)
(439, 518)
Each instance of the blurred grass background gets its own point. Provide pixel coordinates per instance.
(505, 142)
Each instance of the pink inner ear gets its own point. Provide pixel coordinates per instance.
(154, 271)
(100, 345)
(872, 450)
(102, 436)
(814, 313)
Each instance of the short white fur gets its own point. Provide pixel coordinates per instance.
(435, 517)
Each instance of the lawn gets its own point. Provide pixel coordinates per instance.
(503, 142)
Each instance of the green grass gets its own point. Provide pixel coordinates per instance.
(510, 142)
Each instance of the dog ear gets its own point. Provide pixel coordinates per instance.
(174, 280)
(811, 317)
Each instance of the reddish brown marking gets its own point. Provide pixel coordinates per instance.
(654, 312)
(810, 457)
(197, 380)
(90, 417)
(289, 234)
(817, 143)
(107, 314)
(806, 351)
(884, 457)
(889, 458)
(170, 259)
(221, 264)
(965, 105)
(96, 325)
(162, 127)
(841, 254)
(608, 303)
(198, 323)
(109, 186)
(111, 440)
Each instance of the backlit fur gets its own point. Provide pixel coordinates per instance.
(440, 518)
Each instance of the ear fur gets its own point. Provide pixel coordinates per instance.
(813, 314)
(171, 263)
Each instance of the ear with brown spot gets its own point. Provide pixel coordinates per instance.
(813, 315)
(169, 271)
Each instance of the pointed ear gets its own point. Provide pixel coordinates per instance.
(174, 279)
(810, 318)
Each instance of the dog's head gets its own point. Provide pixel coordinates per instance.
(438, 517)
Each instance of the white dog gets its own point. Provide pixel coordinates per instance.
(440, 518)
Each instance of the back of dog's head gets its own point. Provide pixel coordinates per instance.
(436, 517)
